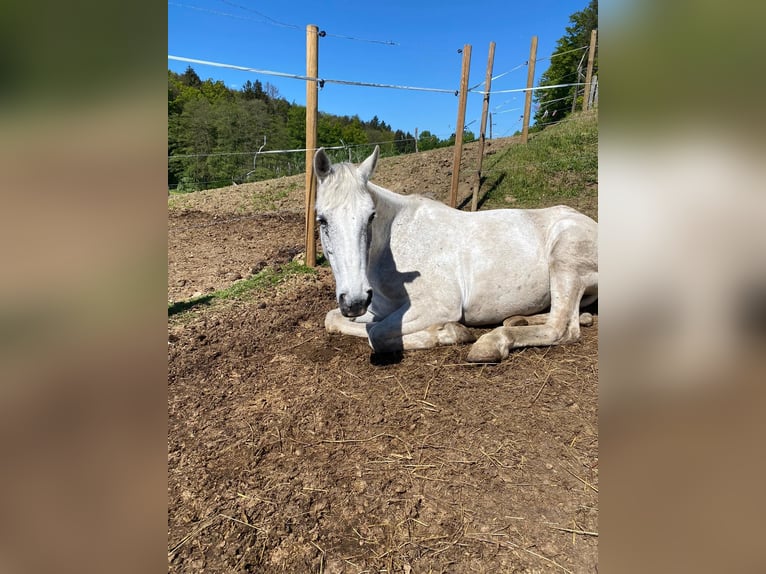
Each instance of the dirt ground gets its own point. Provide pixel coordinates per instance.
(290, 450)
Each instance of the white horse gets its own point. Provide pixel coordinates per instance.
(413, 273)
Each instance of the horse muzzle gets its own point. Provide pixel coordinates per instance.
(354, 307)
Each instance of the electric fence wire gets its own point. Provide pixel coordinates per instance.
(323, 81)
(278, 151)
(557, 54)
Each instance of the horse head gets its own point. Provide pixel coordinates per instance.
(345, 210)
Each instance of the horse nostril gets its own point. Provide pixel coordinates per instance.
(353, 306)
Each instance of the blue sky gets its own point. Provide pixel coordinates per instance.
(411, 43)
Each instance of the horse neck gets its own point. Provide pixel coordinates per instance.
(387, 203)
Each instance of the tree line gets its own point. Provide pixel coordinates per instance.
(214, 133)
(567, 67)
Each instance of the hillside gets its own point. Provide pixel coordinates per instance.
(215, 132)
(558, 165)
(428, 173)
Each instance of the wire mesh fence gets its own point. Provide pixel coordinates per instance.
(261, 165)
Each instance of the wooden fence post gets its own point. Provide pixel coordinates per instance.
(577, 81)
(483, 128)
(312, 89)
(530, 85)
(490, 125)
(460, 124)
(589, 73)
(416, 140)
(594, 93)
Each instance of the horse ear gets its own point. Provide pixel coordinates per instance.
(321, 164)
(367, 167)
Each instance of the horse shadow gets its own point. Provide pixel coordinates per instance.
(181, 306)
(386, 359)
(396, 282)
(482, 199)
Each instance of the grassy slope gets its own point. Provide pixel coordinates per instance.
(558, 165)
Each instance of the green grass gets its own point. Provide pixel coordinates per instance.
(268, 200)
(557, 164)
(243, 289)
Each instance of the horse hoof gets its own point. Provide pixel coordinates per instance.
(586, 320)
(484, 354)
(331, 321)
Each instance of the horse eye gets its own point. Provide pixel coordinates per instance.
(372, 216)
(322, 221)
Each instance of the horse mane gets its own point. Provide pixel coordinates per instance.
(345, 185)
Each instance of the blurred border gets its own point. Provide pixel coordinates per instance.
(683, 276)
(83, 130)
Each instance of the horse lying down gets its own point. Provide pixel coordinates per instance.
(413, 273)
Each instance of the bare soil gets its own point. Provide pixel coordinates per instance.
(290, 450)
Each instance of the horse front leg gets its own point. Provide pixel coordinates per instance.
(335, 322)
(408, 329)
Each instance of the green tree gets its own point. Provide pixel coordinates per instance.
(468, 137)
(214, 132)
(404, 142)
(353, 133)
(191, 133)
(190, 78)
(329, 130)
(296, 127)
(427, 141)
(215, 91)
(556, 103)
(180, 93)
(252, 91)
